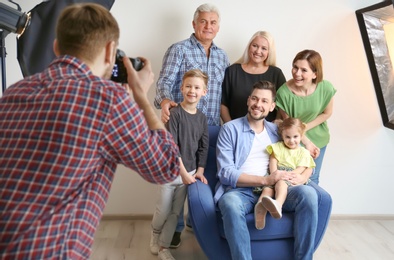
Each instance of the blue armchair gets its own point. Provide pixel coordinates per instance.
(275, 241)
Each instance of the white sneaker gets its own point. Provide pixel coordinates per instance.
(154, 243)
(165, 254)
(272, 206)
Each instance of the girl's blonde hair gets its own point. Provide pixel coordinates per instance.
(291, 122)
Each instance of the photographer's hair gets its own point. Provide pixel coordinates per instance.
(198, 74)
(291, 122)
(315, 62)
(206, 8)
(265, 84)
(83, 29)
(271, 59)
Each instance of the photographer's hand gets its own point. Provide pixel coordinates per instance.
(139, 83)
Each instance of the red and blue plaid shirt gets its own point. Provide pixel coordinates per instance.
(62, 134)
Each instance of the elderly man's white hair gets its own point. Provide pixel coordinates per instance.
(206, 8)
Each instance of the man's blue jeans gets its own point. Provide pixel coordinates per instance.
(236, 203)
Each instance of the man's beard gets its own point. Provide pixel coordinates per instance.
(255, 118)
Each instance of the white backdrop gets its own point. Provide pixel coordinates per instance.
(358, 167)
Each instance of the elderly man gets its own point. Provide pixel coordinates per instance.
(197, 52)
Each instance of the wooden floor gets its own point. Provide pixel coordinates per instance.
(344, 240)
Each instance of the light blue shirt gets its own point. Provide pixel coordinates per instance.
(233, 147)
(184, 56)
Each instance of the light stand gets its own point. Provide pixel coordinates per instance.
(3, 53)
(11, 20)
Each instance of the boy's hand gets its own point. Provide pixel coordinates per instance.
(188, 179)
(202, 178)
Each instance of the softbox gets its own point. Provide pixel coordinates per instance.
(35, 45)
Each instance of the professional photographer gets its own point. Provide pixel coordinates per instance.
(62, 134)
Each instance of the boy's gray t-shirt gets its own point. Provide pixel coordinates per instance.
(190, 132)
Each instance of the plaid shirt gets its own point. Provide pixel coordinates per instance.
(62, 133)
(184, 56)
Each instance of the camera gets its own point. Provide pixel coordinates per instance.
(119, 72)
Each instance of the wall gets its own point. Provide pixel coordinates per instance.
(358, 168)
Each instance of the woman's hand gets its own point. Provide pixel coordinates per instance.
(313, 150)
(311, 147)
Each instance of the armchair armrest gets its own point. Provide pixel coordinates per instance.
(203, 217)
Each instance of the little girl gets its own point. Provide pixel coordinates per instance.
(286, 155)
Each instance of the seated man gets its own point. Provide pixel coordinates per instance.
(243, 165)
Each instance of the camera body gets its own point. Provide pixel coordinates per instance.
(119, 72)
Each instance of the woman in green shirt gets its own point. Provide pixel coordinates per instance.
(310, 98)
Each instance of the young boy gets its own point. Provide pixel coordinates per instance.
(188, 126)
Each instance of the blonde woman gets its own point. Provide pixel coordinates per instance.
(257, 63)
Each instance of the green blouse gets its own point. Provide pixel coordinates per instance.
(308, 108)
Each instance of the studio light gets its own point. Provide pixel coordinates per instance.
(13, 20)
(35, 32)
(376, 24)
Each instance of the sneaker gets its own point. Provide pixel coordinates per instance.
(165, 254)
(176, 240)
(259, 215)
(272, 206)
(154, 243)
(189, 228)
